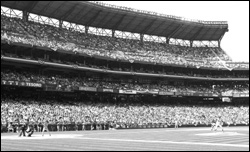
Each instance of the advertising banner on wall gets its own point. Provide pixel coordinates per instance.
(236, 95)
(88, 89)
(240, 95)
(153, 92)
(165, 93)
(105, 90)
(19, 83)
(50, 87)
(244, 95)
(127, 91)
(141, 92)
(147, 92)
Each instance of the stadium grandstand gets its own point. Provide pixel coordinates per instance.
(94, 66)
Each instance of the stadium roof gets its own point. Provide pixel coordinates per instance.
(123, 19)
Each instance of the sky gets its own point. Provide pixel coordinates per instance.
(236, 13)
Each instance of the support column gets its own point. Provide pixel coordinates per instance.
(86, 29)
(25, 16)
(113, 33)
(167, 40)
(219, 43)
(191, 43)
(60, 23)
(141, 38)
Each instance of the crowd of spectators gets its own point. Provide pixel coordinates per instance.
(123, 113)
(80, 61)
(17, 30)
(77, 81)
(79, 112)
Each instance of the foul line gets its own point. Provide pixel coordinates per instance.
(170, 142)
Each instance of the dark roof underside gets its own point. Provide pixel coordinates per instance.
(90, 14)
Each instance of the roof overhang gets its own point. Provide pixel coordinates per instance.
(100, 16)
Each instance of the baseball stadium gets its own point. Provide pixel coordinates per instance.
(91, 76)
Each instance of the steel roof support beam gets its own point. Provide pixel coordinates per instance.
(6, 11)
(167, 40)
(141, 38)
(60, 23)
(92, 19)
(191, 43)
(149, 26)
(65, 15)
(113, 33)
(30, 7)
(118, 23)
(87, 29)
(203, 44)
(46, 7)
(25, 16)
(213, 43)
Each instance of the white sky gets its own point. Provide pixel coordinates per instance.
(235, 42)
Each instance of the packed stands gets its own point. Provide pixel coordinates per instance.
(107, 108)
(17, 30)
(75, 81)
(123, 114)
(89, 62)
